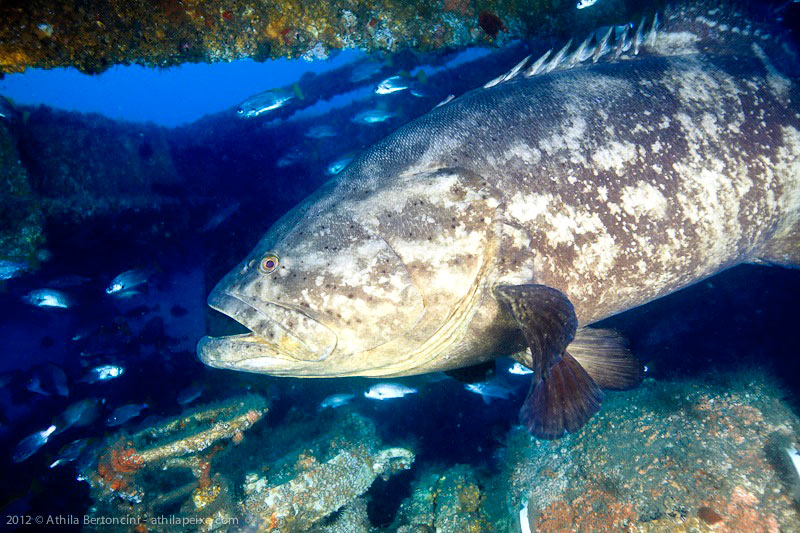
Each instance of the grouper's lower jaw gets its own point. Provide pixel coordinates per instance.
(248, 353)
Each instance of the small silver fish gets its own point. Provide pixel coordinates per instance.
(190, 394)
(49, 380)
(583, 4)
(10, 269)
(103, 373)
(31, 444)
(387, 391)
(290, 158)
(373, 116)
(519, 369)
(489, 390)
(128, 280)
(337, 166)
(70, 452)
(364, 72)
(262, 102)
(80, 414)
(336, 400)
(120, 415)
(221, 216)
(391, 85)
(320, 132)
(48, 298)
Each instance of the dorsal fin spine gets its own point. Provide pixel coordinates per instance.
(637, 38)
(622, 41)
(538, 65)
(558, 57)
(602, 46)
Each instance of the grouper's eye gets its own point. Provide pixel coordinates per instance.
(268, 263)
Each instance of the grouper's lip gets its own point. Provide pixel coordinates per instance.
(252, 351)
(245, 352)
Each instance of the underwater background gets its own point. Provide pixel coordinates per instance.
(129, 191)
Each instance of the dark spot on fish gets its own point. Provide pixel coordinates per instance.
(490, 23)
(177, 310)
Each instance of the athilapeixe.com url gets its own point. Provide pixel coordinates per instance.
(125, 520)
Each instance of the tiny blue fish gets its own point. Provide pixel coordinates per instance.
(120, 415)
(519, 369)
(337, 166)
(489, 390)
(49, 380)
(190, 394)
(262, 102)
(364, 72)
(391, 85)
(31, 444)
(372, 116)
(128, 280)
(335, 400)
(48, 298)
(583, 4)
(103, 373)
(321, 131)
(70, 452)
(388, 391)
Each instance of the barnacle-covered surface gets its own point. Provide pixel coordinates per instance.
(199, 468)
(20, 213)
(670, 456)
(92, 36)
(168, 465)
(447, 501)
(321, 475)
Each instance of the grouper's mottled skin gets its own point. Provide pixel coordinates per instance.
(615, 183)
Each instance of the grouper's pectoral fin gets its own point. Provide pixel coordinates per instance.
(604, 354)
(570, 365)
(563, 397)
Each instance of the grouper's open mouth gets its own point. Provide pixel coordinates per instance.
(281, 341)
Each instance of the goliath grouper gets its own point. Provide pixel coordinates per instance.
(507, 220)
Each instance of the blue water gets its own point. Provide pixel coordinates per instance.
(167, 97)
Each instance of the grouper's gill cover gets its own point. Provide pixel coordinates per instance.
(336, 285)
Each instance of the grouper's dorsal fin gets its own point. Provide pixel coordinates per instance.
(701, 27)
(598, 45)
